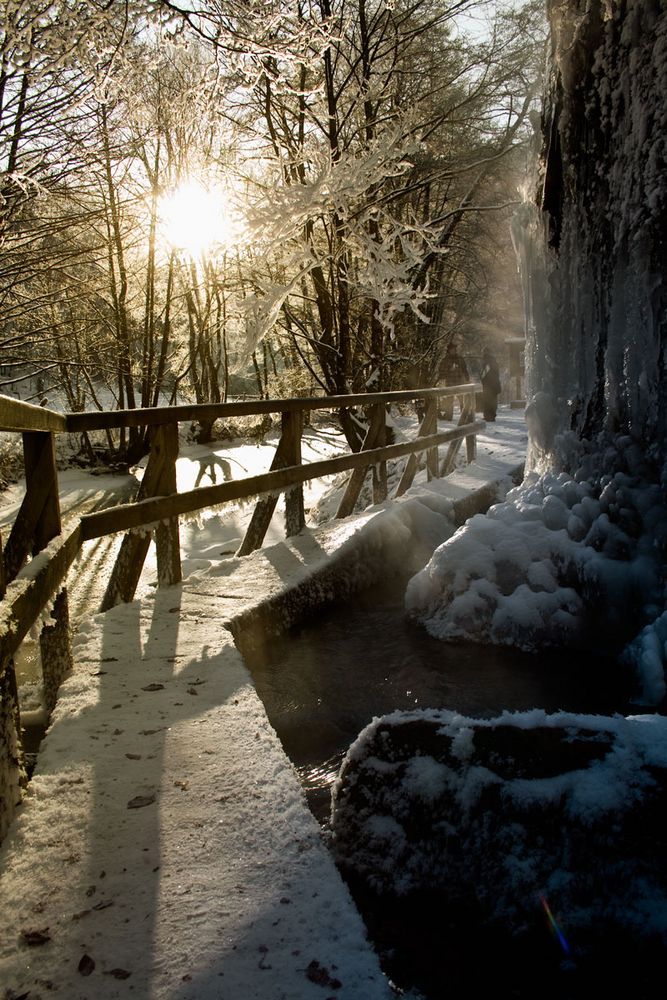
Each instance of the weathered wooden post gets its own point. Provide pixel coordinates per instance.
(164, 444)
(159, 478)
(288, 453)
(356, 480)
(467, 417)
(429, 425)
(43, 504)
(12, 773)
(292, 429)
(380, 468)
(471, 439)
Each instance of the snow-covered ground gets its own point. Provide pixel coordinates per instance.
(165, 848)
(205, 538)
(165, 844)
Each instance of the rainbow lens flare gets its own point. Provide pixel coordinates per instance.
(553, 923)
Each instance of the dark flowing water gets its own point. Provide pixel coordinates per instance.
(324, 681)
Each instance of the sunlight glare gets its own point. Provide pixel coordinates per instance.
(199, 220)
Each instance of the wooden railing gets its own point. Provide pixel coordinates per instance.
(37, 529)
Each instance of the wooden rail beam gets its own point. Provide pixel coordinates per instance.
(147, 512)
(151, 416)
(15, 415)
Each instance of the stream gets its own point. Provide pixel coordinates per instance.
(323, 681)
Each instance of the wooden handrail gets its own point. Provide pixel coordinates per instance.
(125, 517)
(16, 415)
(150, 416)
(37, 529)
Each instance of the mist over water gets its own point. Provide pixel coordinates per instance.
(323, 681)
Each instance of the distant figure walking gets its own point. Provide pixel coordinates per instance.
(490, 379)
(452, 371)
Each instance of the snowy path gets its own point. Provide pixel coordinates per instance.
(81, 491)
(164, 847)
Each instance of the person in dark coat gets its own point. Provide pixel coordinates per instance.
(452, 371)
(490, 379)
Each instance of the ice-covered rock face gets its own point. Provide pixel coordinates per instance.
(592, 243)
(566, 560)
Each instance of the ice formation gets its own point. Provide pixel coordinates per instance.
(566, 560)
(592, 252)
(577, 554)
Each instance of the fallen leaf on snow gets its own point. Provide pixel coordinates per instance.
(139, 801)
(86, 965)
(32, 936)
(119, 973)
(319, 974)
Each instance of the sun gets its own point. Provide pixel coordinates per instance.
(198, 219)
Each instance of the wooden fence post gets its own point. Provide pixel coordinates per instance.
(467, 416)
(12, 773)
(429, 425)
(167, 538)
(41, 475)
(471, 440)
(288, 452)
(159, 477)
(292, 429)
(356, 480)
(431, 416)
(380, 469)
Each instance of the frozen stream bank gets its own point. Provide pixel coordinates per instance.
(324, 680)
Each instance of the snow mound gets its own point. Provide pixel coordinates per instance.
(500, 814)
(565, 560)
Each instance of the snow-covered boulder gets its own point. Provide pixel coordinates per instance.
(566, 560)
(509, 815)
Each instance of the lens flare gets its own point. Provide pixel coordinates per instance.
(553, 923)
